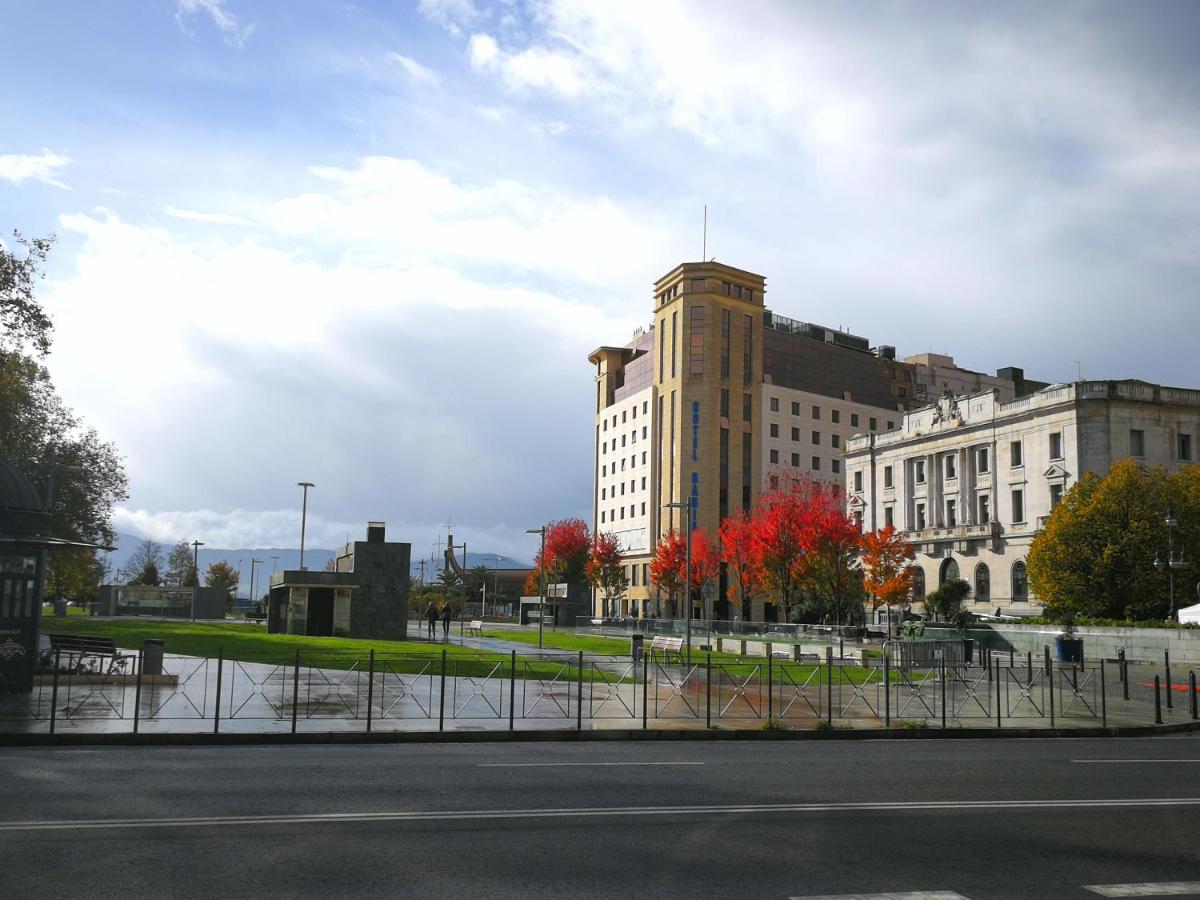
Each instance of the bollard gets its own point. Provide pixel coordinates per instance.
(1167, 670)
(1124, 675)
(1157, 702)
(370, 686)
(1046, 650)
(829, 686)
(512, 688)
(137, 694)
(295, 690)
(887, 689)
(579, 697)
(1050, 663)
(217, 697)
(708, 692)
(1192, 694)
(54, 691)
(442, 695)
(645, 683)
(1103, 697)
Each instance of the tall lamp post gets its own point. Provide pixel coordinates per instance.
(687, 569)
(196, 545)
(542, 568)
(1174, 560)
(253, 563)
(303, 517)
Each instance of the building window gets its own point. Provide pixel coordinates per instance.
(951, 513)
(795, 434)
(835, 440)
(948, 571)
(858, 481)
(1137, 442)
(643, 509)
(853, 420)
(674, 339)
(624, 413)
(982, 459)
(918, 588)
(747, 349)
(601, 517)
(774, 404)
(919, 471)
(1056, 445)
(951, 466)
(662, 348)
(643, 457)
(1015, 458)
(724, 343)
(1183, 447)
(774, 430)
(816, 464)
(725, 403)
(889, 517)
(696, 351)
(887, 476)
(1020, 582)
(795, 407)
(602, 495)
(644, 431)
(816, 412)
(1056, 495)
(622, 489)
(920, 517)
(985, 509)
(983, 583)
(836, 466)
(774, 456)
(835, 416)
(816, 439)
(874, 425)
(796, 460)
(603, 471)
(643, 482)
(890, 423)
(1018, 506)
(746, 404)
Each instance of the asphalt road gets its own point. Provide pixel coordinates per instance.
(971, 818)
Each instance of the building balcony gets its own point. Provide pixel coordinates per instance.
(960, 538)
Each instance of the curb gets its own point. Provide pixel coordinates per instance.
(560, 736)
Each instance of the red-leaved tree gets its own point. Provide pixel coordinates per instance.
(666, 568)
(737, 550)
(887, 567)
(706, 566)
(832, 577)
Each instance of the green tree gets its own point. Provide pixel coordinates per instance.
(23, 322)
(946, 603)
(179, 563)
(149, 575)
(224, 576)
(1095, 557)
(147, 555)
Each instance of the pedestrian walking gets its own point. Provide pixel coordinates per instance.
(446, 621)
(431, 614)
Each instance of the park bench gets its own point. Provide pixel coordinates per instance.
(256, 617)
(475, 627)
(84, 651)
(667, 645)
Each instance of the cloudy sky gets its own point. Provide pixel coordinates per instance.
(370, 244)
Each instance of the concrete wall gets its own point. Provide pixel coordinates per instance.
(1144, 644)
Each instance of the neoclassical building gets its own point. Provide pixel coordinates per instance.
(971, 479)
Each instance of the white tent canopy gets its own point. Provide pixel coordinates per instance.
(1190, 615)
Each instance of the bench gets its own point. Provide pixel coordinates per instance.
(93, 650)
(256, 617)
(667, 645)
(475, 627)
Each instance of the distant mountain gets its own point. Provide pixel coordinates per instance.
(277, 559)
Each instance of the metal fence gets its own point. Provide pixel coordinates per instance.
(448, 691)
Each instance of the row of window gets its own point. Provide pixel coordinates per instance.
(604, 446)
(624, 414)
(981, 580)
(632, 488)
(835, 415)
(604, 469)
(835, 440)
(835, 464)
(619, 512)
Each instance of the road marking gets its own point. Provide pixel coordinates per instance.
(1134, 761)
(559, 765)
(904, 895)
(1145, 889)
(589, 812)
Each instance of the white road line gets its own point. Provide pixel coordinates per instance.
(590, 812)
(1146, 889)
(904, 895)
(561, 765)
(1135, 761)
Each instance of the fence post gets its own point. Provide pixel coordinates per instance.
(887, 688)
(1103, 697)
(1011, 656)
(770, 682)
(217, 701)
(942, 662)
(442, 695)
(295, 691)
(1121, 663)
(645, 683)
(998, 692)
(512, 689)
(829, 686)
(137, 694)
(370, 686)
(1167, 669)
(1050, 664)
(1046, 650)
(708, 691)
(1157, 701)
(1192, 694)
(579, 697)
(54, 691)
(1125, 675)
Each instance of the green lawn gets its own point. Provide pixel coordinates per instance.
(251, 643)
(563, 640)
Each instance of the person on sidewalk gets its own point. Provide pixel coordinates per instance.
(446, 622)
(432, 615)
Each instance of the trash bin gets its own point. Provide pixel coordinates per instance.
(60, 607)
(152, 657)
(635, 646)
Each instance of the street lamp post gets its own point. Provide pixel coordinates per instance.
(1173, 561)
(303, 517)
(687, 570)
(253, 563)
(542, 567)
(196, 545)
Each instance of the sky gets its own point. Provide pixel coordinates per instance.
(370, 245)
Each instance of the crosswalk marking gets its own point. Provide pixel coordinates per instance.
(1146, 889)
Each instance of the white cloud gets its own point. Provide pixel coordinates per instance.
(209, 218)
(17, 168)
(453, 15)
(234, 35)
(536, 68)
(416, 72)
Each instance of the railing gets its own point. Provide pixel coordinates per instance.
(323, 692)
(702, 628)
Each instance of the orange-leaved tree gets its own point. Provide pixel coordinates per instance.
(706, 565)
(737, 551)
(605, 572)
(666, 568)
(887, 567)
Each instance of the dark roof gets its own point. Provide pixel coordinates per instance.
(17, 491)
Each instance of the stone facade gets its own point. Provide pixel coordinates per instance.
(971, 479)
